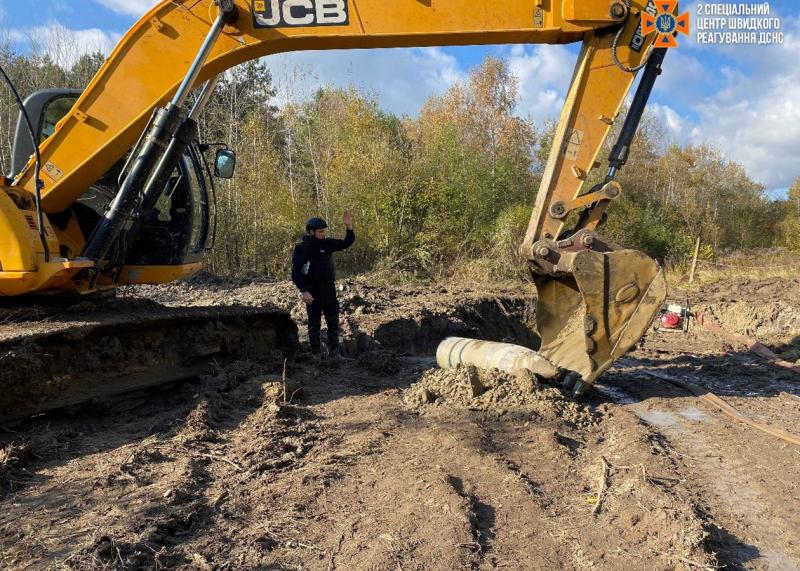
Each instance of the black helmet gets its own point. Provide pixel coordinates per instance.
(316, 224)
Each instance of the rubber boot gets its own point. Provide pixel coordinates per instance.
(333, 343)
(335, 350)
(315, 345)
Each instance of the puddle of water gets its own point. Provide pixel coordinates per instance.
(617, 395)
(693, 413)
(778, 561)
(657, 417)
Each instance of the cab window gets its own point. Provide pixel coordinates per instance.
(199, 204)
(52, 114)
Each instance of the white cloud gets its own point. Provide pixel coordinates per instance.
(402, 78)
(683, 78)
(61, 7)
(544, 73)
(65, 46)
(135, 8)
(676, 126)
(752, 117)
(742, 99)
(747, 104)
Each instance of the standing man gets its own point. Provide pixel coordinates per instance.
(314, 275)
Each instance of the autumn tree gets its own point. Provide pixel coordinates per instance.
(794, 196)
(347, 154)
(472, 159)
(790, 224)
(241, 116)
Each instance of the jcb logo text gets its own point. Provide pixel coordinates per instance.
(296, 13)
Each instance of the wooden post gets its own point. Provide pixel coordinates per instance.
(694, 259)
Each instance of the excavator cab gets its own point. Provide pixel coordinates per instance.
(176, 232)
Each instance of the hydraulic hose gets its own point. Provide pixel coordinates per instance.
(37, 166)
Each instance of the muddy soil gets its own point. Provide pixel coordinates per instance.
(386, 462)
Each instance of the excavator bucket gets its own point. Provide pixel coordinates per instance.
(594, 316)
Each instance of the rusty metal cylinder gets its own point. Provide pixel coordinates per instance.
(455, 351)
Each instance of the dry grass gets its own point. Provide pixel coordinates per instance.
(737, 266)
(487, 272)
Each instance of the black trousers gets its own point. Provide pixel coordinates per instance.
(315, 312)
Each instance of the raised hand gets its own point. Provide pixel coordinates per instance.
(348, 220)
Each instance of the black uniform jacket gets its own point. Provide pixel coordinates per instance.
(312, 265)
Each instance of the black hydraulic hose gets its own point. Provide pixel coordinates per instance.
(619, 154)
(122, 210)
(37, 166)
(120, 217)
(181, 139)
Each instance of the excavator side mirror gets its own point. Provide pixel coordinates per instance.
(224, 163)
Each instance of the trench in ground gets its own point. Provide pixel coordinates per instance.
(80, 364)
(131, 356)
(510, 320)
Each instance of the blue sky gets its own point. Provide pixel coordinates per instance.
(744, 100)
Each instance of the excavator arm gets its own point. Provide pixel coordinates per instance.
(595, 299)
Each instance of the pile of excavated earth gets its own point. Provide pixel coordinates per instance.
(385, 461)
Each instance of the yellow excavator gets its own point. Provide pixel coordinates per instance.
(86, 211)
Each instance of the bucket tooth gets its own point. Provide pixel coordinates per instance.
(580, 389)
(569, 381)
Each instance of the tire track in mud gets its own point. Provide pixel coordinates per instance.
(506, 509)
(156, 501)
(542, 511)
(476, 491)
(481, 517)
(452, 483)
(743, 513)
(269, 509)
(550, 452)
(489, 447)
(388, 491)
(646, 514)
(745, 480)
(192, 505)
(177, 498)
(371, 485)
(384, 457)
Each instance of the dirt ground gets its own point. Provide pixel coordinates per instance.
(386, 462)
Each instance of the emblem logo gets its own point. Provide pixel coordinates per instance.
(665, 23)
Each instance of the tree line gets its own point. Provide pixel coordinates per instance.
(447, 191)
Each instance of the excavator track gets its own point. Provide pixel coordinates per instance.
(51, 359)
